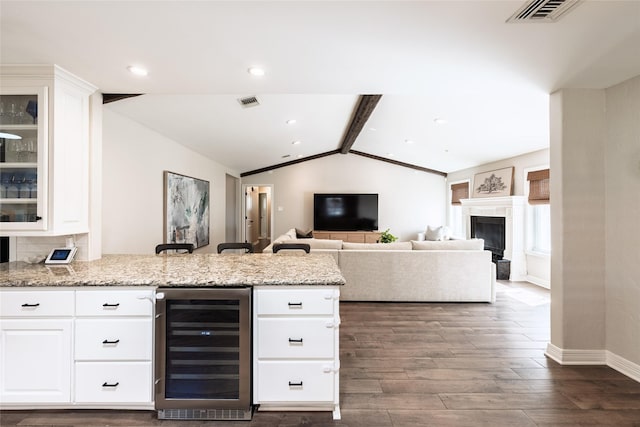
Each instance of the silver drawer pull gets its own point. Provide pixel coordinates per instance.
(295, 384)
(295, 340)
(106, 384)
(27, 305)
(294, 304)
(107, 342)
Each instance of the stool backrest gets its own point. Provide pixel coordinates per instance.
(300, 246)
(174, 247)
(247, 247)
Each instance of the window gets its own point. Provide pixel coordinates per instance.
(540, 240)
(459, 191)
(539, 212)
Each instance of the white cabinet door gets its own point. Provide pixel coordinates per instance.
(300, 338)
(295, 381)
(115, 382)
(35, 360)
(113, 339)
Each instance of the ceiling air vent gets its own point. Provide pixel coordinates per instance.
(543, 10)
(249, 101)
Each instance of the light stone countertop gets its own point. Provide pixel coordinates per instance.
(197, 270)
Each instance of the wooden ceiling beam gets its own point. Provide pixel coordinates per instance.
(292, 162)
(398, 163)
(113, 97)
(365, 107)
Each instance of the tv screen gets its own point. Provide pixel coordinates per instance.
(345, 212)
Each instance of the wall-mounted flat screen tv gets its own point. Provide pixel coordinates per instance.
(345, 212)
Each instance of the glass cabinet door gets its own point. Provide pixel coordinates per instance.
(22, 159)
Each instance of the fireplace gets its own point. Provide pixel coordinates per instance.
(509, 209)
(492, 230)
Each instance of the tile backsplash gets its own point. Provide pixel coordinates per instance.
(39, 247)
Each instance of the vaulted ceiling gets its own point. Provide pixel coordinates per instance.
(459, 61)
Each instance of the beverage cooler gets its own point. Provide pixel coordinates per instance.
(203, 353)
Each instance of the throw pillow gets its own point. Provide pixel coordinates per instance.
(302, 234)
(435, 233)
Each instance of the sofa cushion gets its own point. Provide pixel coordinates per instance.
(448, 245)
(393, 246)
(289, 235)
(318, 243)
(437, 233)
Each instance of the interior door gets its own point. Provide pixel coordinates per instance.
(264, 227)
(248, 215)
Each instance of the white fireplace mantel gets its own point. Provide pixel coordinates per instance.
(512, 208)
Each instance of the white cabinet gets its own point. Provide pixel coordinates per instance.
(44, 177)
(35, 346)
(114, 347)
(76, 348)
(296, 354)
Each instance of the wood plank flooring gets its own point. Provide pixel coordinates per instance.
(419, 364)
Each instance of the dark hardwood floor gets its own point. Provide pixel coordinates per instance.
(435, 365)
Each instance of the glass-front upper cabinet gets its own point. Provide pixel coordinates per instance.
(23, 158)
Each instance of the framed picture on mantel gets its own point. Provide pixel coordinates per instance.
(186, 209)
(496, 183)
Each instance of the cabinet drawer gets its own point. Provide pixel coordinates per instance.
(113, 339)
(123, 382)
(36, 303)
(295, 382)
(114, 303)
(306, 338)
(295, 301)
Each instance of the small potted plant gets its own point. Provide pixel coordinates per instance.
(386, 237)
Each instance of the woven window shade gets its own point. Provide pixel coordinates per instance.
(458, 192)
(538, 187)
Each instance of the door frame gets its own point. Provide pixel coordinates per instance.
(243, 212)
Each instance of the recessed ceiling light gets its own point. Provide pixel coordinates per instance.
(291, 121)
(256, 71)
(408, 141)
(138, 71)
(373, 129)
(440, 121)
(299, 156)
(296, 142)
(389, 154)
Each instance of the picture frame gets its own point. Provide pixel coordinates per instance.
(495, 183)
(186, 209)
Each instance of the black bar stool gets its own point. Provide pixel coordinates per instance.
(175, 247)
(300, 246)
(248, 247)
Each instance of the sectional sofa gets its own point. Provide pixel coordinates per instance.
(415, 271)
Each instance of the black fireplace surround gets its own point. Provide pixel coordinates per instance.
(492, 230)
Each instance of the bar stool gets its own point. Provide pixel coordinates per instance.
(247, 247)
(300, 246)
(175, 246)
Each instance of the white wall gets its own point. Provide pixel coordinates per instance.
(538, 265)
(595, 188)
(134, 159)
(577, 220)
(622, 210)
(408, 200)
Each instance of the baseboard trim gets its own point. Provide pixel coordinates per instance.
(593, 357)
(576, 357)
(624, 366)
(538, 282)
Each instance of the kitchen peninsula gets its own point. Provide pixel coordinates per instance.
(82, 335)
